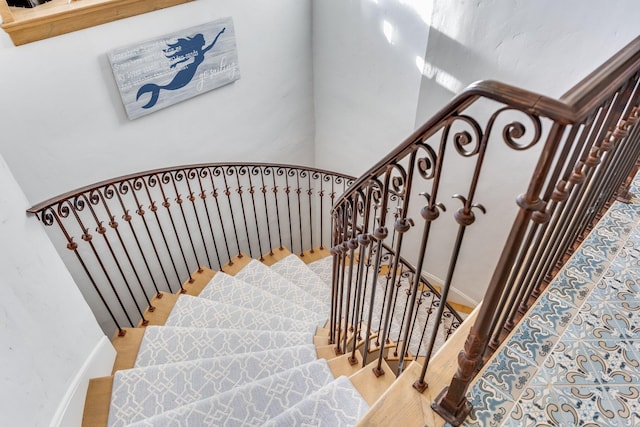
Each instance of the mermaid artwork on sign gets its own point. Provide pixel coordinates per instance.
(187, 54)
(160, 72)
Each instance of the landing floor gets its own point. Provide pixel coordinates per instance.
(575, 359)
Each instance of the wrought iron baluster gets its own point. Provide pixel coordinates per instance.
(109, 192)
(430, 169)
(298, 193)
(275, 197)
(123, 188)
(166, 178)
(137, 185)
(91, 200)
(203, 173)
(322, 216)
(242, 170)
(217, 171)
(228, 171)
(310, 194)
(150, 182)
(287, 191)
(47, 216)
(351, 244)
(451, 403)
(78, 205)
(192, 174)
(364, 242)
(252, 191)
(530, 250)
(403, 191)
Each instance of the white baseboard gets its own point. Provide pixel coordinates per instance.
(455, 295)
(98, 364)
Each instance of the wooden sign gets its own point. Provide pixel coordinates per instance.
(161, 72)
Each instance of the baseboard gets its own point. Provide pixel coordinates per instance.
(98, 364)
(455, 295)
(459, 297)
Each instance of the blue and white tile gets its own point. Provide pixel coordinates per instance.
(571, 287)
(589, 324)
(583, 405)
(552, 312)
(587, 265)
(510, 372)
(533, 340)
(624, 318)
(617, 286)
(490, 405)
(629, 253)
(620, 218)
(568, 364)
(613, 361)
(624, 401)
(536, 407)
(590, 374)
(578, 329)
(604, 241)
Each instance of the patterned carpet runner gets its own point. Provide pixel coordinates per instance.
(241, 353)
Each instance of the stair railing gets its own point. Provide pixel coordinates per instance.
(584, 146)
(131, 237)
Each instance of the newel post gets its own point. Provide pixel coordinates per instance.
(451, 403)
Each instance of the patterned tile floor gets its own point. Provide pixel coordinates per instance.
(575, 359)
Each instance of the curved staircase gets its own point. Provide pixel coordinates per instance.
(237, 349)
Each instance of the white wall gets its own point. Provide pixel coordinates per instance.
(64, 124)
(543, 46)
(368, 96)
(366, 83)
(51, 343)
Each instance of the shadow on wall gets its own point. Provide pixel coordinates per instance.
(448, 68)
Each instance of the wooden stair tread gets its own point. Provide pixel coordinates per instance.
(96, 405)
(368, 385)
(322, 331)
(274, 256)
(402, 405)
(236, 264)
(326, 351)
(341, 366)
(320, 340)
(163, 307)
(393, 402)
(200, 280)
(127, 348)
(315, 254)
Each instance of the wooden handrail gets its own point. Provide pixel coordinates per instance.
(590, 140)
(87, 188)
(572, 107)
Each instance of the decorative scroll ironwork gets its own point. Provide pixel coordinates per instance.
(588, 143)
(391, 225)
(140, 234)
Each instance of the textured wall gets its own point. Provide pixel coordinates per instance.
(49, 337)
(64, 124)
(366, 83)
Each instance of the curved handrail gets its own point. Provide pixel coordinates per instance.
(73, 193)
(136, 235)
(571, 108)
(500, 92)
(589, 142)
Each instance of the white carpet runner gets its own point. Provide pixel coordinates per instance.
(181, 383)
(239, 354)
(425, 310)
